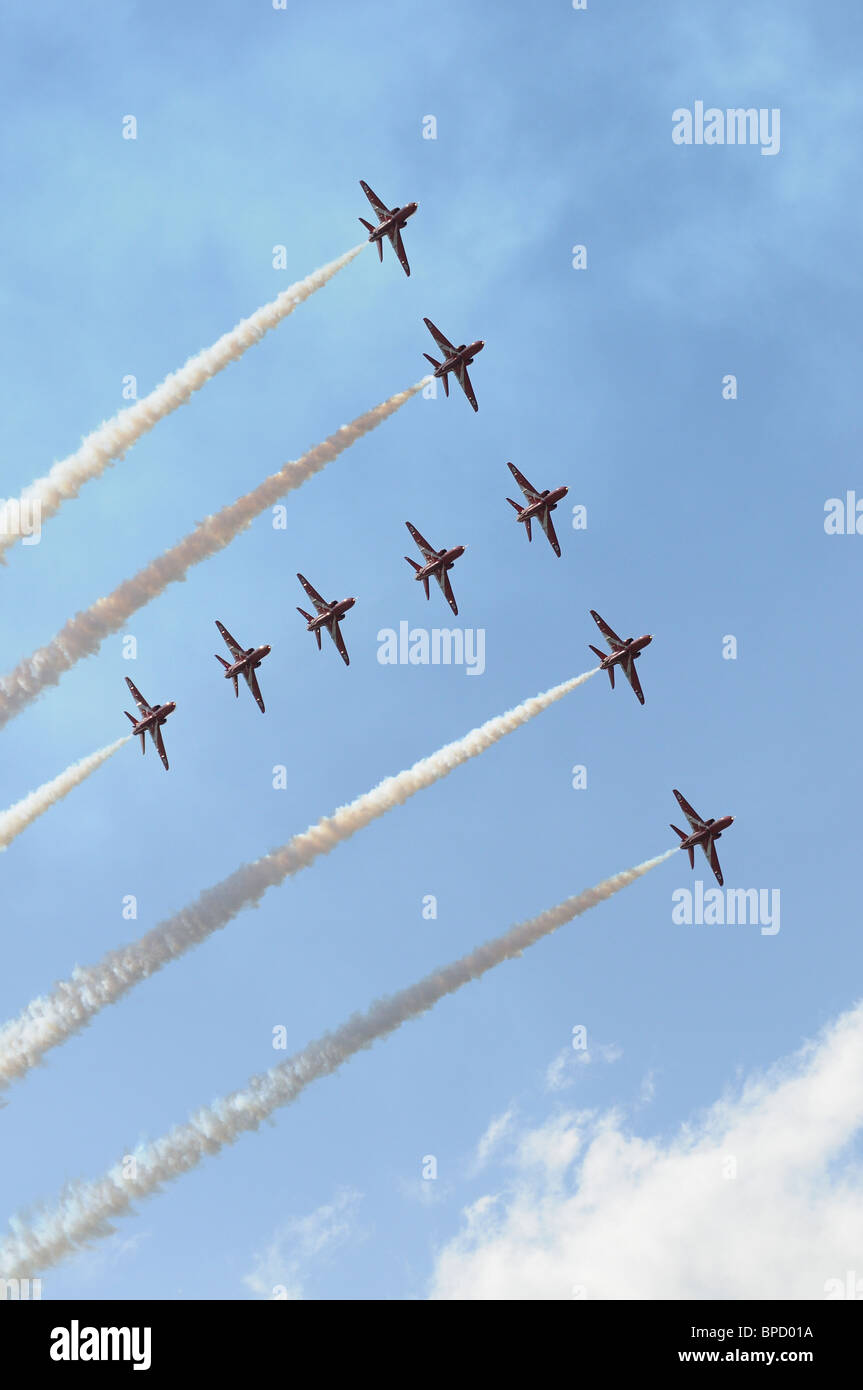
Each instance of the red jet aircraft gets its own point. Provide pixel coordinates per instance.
(456, 360)
(540, 505)
(391, 222)
(623, 654)
(246, 662)
(152, 719)
(704, 833)
(328, 615)
(437, 562)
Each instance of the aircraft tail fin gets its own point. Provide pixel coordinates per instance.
(130, 716)
(413, 562)
(308, 618)
(601, 655)
(143, 738)
(436, 365)
(691, 848)
(426, 584)
(527, 527)
(515, 504)
(236, 686)
(222, 659)
(369, 228)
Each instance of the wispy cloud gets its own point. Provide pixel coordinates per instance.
(282, 1268)
(759, 1197)
(563, 1070)
(491, 1141)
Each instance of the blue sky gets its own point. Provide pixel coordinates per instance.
(705, 518)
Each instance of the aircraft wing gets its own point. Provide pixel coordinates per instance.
(320, 603)
(428, 551)
(632, 676)
(442, 578)
(547, 525)
(138, 698)
(608, 633)
(527, 488)
(156, 731)
(464, 382)
(232, 644)
(336, 633)
(443, 343)
(380, 208)
(399, 248)
(693, 817)
(252, 683)
(709, 847)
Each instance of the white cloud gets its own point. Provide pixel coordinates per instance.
(563, 1069)
(283, 1265)
(497, 1131)
(758, 1197)
(648, 1088)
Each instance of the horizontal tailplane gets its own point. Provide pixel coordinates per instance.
(437, 366)
(690, 848)
(601, 655)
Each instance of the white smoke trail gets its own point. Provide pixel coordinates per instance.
(51, 1019)
(24, 812)
(83, 634)
(111, 440)
(86, 1209)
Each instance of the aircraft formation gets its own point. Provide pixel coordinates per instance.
(537, 506)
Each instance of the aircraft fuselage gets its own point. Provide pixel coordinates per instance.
(464, 354)
(250, 662)
(157, 715)
(546, 503)
(442, 562)
(711, 830)
(332, 613)
(632, 647)
(394, 222)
